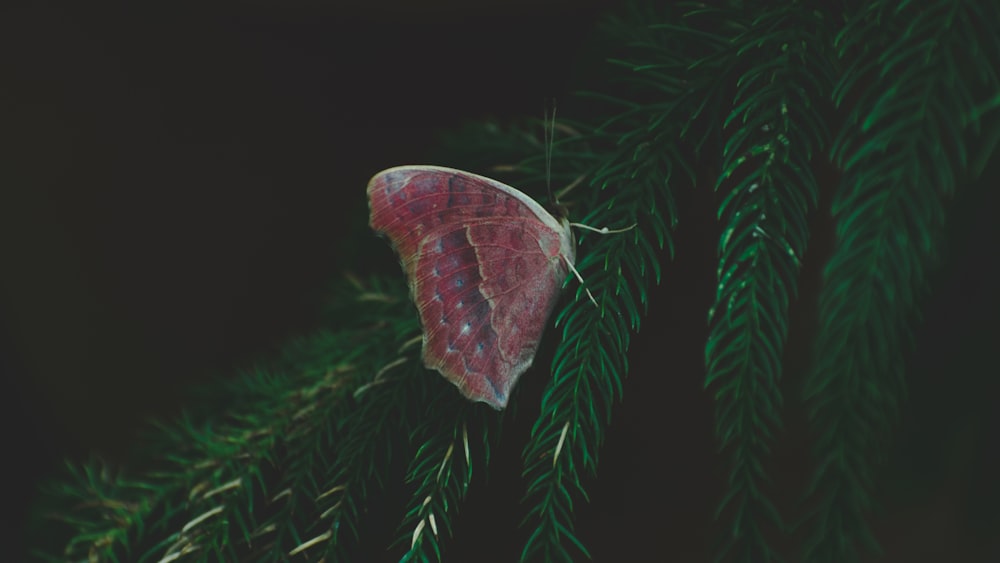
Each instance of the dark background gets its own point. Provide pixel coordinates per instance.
(181, 183)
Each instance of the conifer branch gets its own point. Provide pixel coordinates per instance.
(590, 361)
(442, 468)
(243, 486)
(902, 151)
(371, 437)
(768, 190)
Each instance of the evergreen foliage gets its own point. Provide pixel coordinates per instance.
(914, 73)
(591, 359)
(900, 96)
(768, 189)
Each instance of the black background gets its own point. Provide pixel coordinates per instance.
(180, 184)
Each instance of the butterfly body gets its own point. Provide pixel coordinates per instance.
(485, 264)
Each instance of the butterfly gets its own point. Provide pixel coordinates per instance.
(485, 264)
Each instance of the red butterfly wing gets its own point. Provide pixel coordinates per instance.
(485, 264)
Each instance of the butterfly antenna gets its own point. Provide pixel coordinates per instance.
(603, 230)
(576, 182)
(549, 129)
